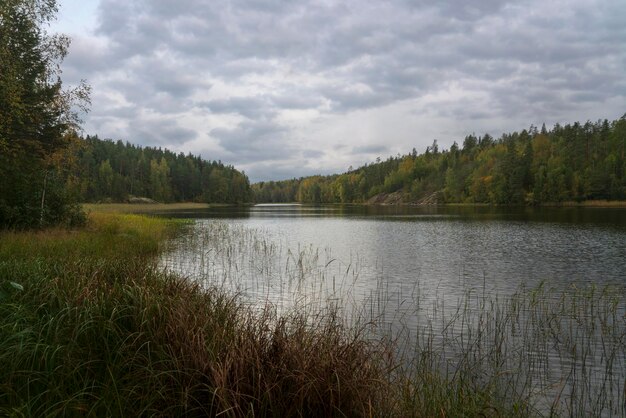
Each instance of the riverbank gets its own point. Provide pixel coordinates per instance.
(146, 207)
(592, 204)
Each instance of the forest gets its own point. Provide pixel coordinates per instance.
(95, 170)
(574, 162)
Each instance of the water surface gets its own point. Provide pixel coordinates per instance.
(456, 282)
(452, 247)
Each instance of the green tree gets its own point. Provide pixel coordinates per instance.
(105, 178)
(571, 162)
(310, 190)
(239, 188)
(35, 112)
(159, 178)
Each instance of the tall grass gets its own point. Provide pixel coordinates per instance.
(93, 327)
(540, 351)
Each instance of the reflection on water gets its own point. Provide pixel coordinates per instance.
(433, 274)
(613, 217)
(451, 248)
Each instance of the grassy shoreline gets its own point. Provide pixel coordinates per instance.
(89, 325)
(146, 207)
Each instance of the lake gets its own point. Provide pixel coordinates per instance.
(441, 277)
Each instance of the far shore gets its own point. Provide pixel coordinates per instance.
(592, 203)
(569, 204)
(147, 207)
(154, 207)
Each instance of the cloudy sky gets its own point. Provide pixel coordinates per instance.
(284, 89)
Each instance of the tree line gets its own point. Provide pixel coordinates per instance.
(575, 162)
(99, 170)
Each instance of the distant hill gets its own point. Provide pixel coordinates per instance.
(104, 170)
(567, 163)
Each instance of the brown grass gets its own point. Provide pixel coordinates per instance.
(145, 207)
(98, 330)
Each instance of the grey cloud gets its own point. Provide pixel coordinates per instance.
(263, 107)
(460, 9)
(298, 100)
(250, 107)
(141, 130)
(344, 99)
(85, 59)
(472, 10)
(509, 60)
(370, 149)
(587, 97)
(158, 133)
(115, 17)
(175, 86)
(312, 153)
(254, 141)
(122, 112)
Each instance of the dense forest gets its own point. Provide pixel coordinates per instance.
(96, 170)
(567, 163)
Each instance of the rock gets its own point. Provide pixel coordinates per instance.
(398, 198)
(140, 200)
(432, 199)
(395, 198)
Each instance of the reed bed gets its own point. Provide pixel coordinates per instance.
(535, 352)
(89, 325)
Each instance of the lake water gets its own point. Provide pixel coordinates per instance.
(454, 247)
(427, 272)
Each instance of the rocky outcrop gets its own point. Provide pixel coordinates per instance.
(399, 198)
(432, 199)
(140, 200)
(394, 198)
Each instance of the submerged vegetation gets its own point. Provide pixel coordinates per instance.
(91, 324)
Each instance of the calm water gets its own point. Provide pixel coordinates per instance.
(442, 251)
(426, 273)
(451, 248)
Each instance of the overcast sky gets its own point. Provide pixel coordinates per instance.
(284, 89)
